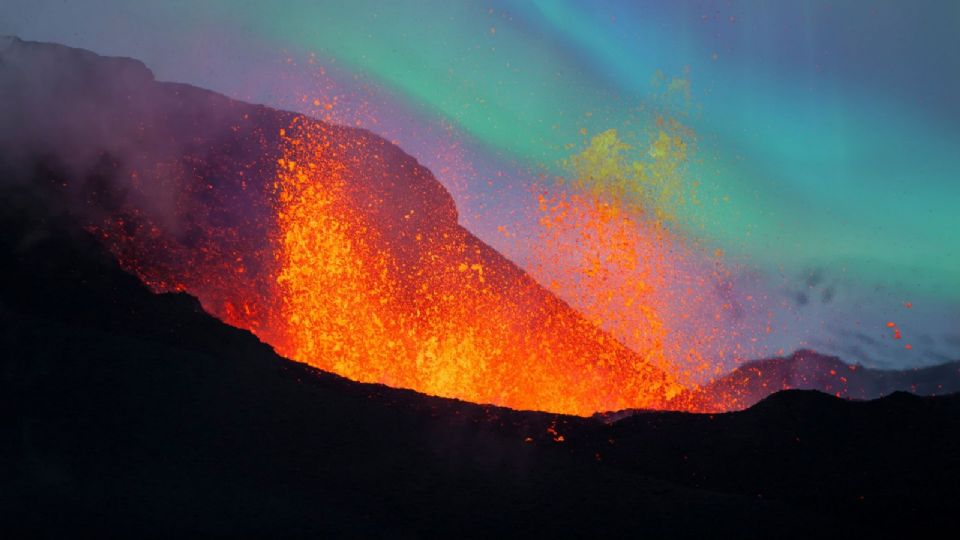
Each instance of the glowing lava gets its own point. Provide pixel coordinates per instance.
(449, 317)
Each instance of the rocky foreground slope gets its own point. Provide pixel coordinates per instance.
(130, 413)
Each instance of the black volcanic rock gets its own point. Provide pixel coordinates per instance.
(127, 413)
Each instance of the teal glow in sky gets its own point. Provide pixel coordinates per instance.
(827, 132)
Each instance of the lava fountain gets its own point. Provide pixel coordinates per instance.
(350, 258)
(428, 306)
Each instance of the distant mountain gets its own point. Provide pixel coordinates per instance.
(808, 370)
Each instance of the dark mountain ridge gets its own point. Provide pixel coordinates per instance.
(752, 381)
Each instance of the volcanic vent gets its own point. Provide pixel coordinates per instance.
(327, 242)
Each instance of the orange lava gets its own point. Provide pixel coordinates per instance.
(622, 272)
(455, 320)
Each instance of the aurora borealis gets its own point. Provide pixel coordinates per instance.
(826, 160)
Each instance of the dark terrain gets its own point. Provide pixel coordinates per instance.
(129, 413)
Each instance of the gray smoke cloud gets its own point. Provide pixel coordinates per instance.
(65, 126)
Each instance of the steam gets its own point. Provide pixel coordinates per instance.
(66, 130)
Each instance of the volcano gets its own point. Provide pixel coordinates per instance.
(166, 251)
(328, 242)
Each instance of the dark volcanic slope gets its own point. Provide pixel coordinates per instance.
(127, 413)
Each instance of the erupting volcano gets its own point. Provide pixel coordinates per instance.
(341, 251)
(332, 245)
(351, 259)
(227, 319)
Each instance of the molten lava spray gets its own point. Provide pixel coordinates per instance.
(448, 317)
